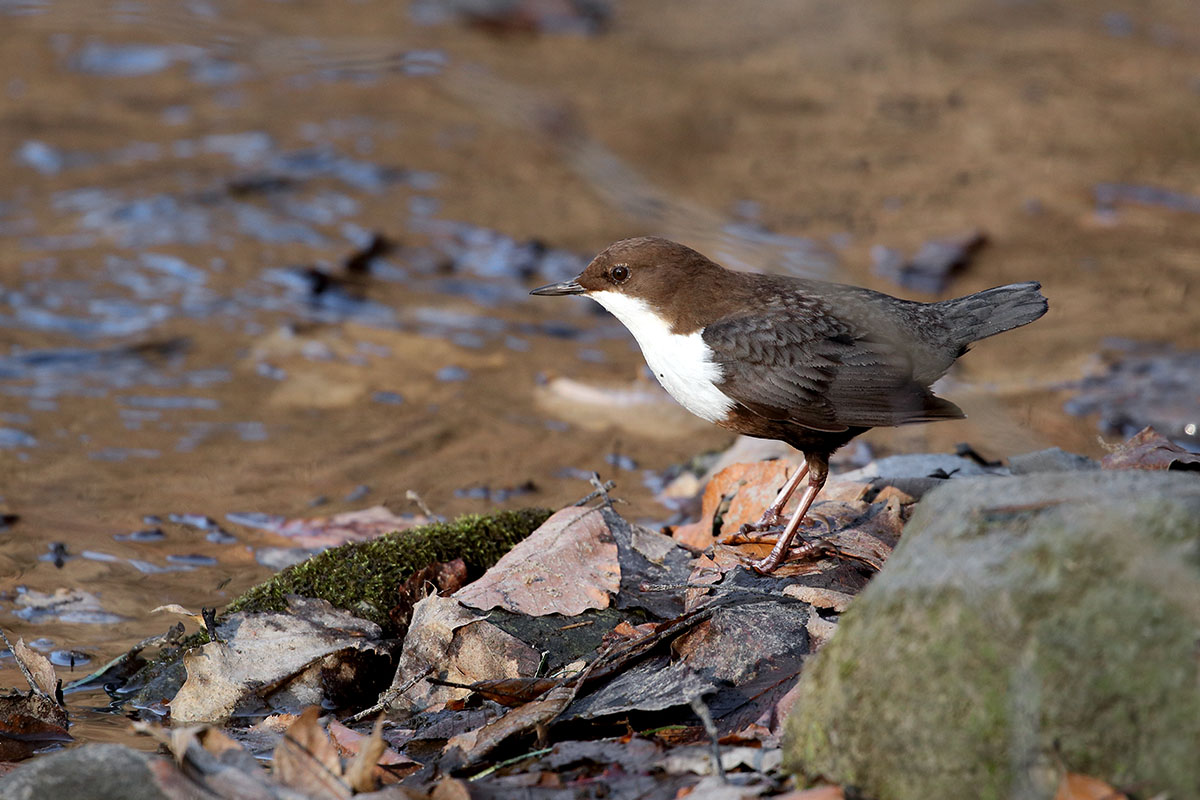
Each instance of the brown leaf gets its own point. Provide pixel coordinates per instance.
(1080, 787)
(1149, 449)
(306, 760)
(728, 485)
(513, 692)
(37, 668)
(368, 750)
(29, 723)
(450, 789)
(446, 578)
(455, 644)
(566, 566)
(479, 743)
(815, 793)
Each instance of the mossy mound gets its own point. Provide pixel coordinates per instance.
(1022, 627)
(364, 578)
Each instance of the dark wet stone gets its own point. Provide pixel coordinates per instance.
(1109, 195)
(122, 453)
(198, 521)
(144, 535)
(620, 461)
(171, 402)
(69, 658)
(931, 268)
(95, 555)
(13, 439)
(256, 519)
(1140, 385)
(388, 398)
(192, 560)
(357, 493)
(123, 60)
(219, 536)
(452, 373)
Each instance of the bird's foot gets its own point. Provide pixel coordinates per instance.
(801, 550)
(760, 531)
(770, 519)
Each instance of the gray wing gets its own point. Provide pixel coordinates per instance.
(806, 366)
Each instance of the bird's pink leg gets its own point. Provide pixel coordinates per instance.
(816, 481)
(774, 513)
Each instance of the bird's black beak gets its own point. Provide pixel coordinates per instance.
(552, 289)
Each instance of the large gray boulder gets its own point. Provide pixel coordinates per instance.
(1022, 627)
(90, 772)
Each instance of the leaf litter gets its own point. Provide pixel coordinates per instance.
(595, 652)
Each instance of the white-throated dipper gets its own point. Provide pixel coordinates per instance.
(810, 363)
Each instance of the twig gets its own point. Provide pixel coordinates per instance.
(509, 762)
(388, 697)
(716, 587)
(573, 626)
(710, 727)
(602, 490)
(413, 497)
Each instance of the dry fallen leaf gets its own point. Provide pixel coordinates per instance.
(262, 652)
(567, 566)
(37, 668)
(1149, 449)
(815, 793)
(1081, 787)
(306, 760)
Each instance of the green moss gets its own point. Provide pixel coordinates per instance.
(364, 577)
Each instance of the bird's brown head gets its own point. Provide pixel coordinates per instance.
(658, 272)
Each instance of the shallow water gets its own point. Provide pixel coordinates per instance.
(273, 259)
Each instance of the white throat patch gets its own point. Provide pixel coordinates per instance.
(682, 362)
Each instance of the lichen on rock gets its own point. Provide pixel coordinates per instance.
(1022, 626)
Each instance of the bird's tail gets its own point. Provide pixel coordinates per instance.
(983, 314)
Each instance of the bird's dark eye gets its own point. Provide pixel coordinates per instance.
(619, 273)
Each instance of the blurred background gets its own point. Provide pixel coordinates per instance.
(270, 260)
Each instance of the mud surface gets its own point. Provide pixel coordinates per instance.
(253, 257)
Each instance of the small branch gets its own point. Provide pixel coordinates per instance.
(508, 763)
(413, 497)
(602, 490)
(710, 727)
(716, 587)
(387, 698)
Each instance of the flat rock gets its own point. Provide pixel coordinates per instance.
(1021, 622)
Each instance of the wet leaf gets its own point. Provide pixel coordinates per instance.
(29, 723)
(1080, 787)
(1149, 449)
(568, 565)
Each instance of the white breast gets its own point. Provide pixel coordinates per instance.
(682, 363)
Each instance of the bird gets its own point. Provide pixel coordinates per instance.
(807, 362)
